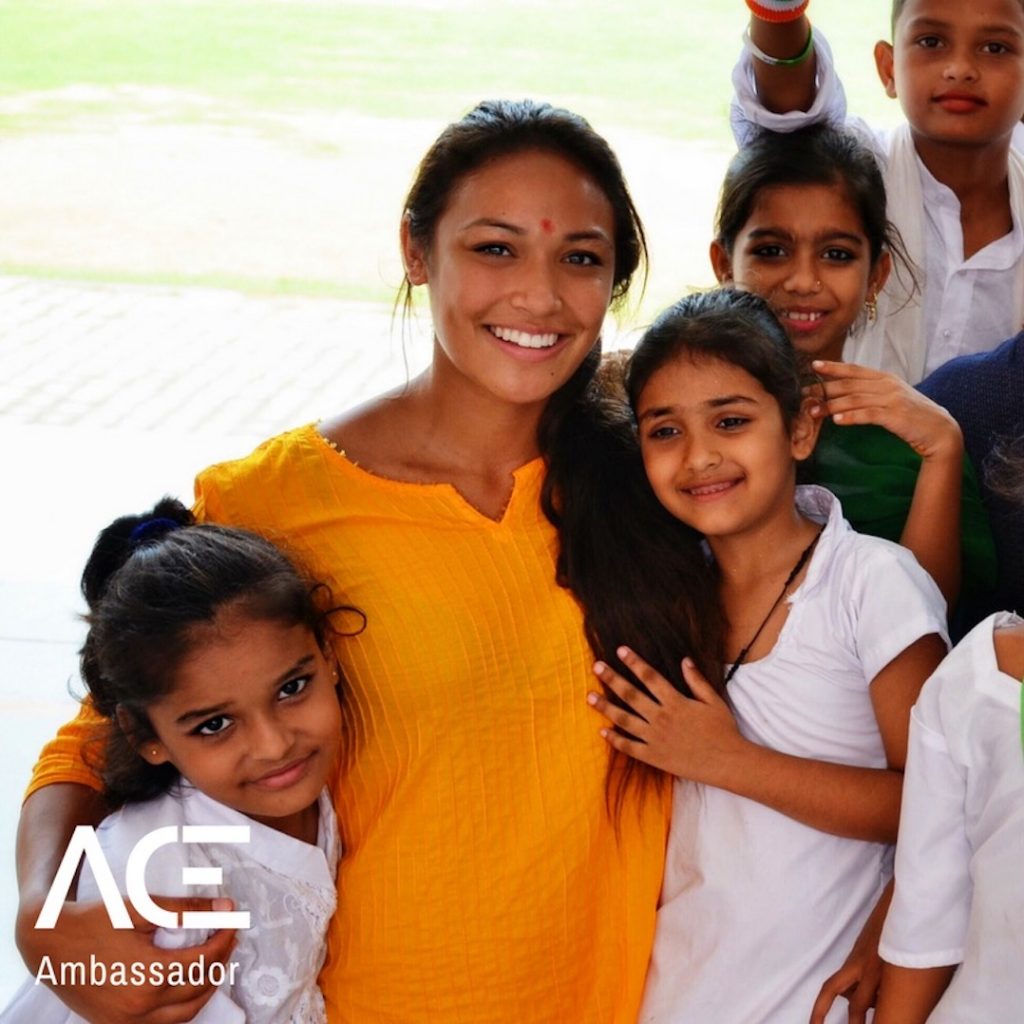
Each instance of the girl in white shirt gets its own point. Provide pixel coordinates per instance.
(207, 655)
(957, 916)
(789, 772)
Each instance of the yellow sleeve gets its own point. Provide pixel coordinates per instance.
(63, 759)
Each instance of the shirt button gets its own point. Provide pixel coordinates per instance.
(947, 334)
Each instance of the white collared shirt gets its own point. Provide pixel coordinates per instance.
(960, 859)
(757, 909)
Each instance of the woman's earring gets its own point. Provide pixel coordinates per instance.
(871, 305)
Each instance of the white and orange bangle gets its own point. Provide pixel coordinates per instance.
(778, 11)
(778, 62)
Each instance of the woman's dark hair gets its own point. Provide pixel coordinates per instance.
(639, 575)
(726, 324)
(499, 128)
(155, 584)
(817, 155)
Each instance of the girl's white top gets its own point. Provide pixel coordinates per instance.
(960, 859)
(757, 910)
(286, 885)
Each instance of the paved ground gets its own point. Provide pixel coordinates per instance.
(109, 397)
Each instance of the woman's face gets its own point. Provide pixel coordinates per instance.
(520, 272)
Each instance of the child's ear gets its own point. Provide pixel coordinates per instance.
(879, 274)
(884, 66)
(414, 259)
(720, 263)
(152, 751)
(804, 430)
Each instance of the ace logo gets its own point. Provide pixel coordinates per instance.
(84, 844)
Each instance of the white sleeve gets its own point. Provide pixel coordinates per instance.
(895, 602)
(747, 115)
(927, 922)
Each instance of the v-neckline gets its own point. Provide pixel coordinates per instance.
(457, 499)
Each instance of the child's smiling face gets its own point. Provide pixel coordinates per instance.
(957, 69)
(253, 719)
(716, 449)
(804, 250)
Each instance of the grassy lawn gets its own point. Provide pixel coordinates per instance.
(342, 97)
(660, 67)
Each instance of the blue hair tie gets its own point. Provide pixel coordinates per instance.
(152, 529)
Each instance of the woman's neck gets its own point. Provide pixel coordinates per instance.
(465, 429)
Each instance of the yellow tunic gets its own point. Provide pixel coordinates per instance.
(482, 879)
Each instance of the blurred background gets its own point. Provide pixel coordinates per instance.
(199, 206)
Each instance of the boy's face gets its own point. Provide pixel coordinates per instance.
(957, 67)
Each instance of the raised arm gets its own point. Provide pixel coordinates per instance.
(781, 43)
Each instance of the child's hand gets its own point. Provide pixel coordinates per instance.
(683, 736)
(856, 394)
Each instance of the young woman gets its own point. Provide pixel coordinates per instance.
(483, 878)
(220, 706)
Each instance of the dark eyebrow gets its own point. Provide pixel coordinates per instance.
(711, 403)
(828, 235)
(488, 222)
(923, 24)
(220, 709)
(589, 235)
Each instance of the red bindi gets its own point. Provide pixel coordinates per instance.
(547, 226)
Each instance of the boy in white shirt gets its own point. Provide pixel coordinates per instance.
(955, 184)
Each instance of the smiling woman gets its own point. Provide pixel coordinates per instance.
(484, 877)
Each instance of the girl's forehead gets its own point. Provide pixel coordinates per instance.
(807, 205)
(695, 378)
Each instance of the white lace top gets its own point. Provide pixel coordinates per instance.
(286, 885)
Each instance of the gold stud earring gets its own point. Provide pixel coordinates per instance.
(871, 305)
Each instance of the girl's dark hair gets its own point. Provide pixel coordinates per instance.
(641, 576)
(820, 154)
(499, 128)
(724, 323)
(155, 584)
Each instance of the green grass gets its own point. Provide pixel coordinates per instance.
(655, 66)
(647, 66)
(317, 288)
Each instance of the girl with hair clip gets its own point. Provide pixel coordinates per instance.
(484, 878)
(208, 662)
(802, 222)
(788, 771)
(953, 941)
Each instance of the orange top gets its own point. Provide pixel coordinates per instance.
(482, 879)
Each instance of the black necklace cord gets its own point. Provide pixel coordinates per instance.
(800, 563)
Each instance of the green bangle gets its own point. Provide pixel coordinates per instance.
(783, 62)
